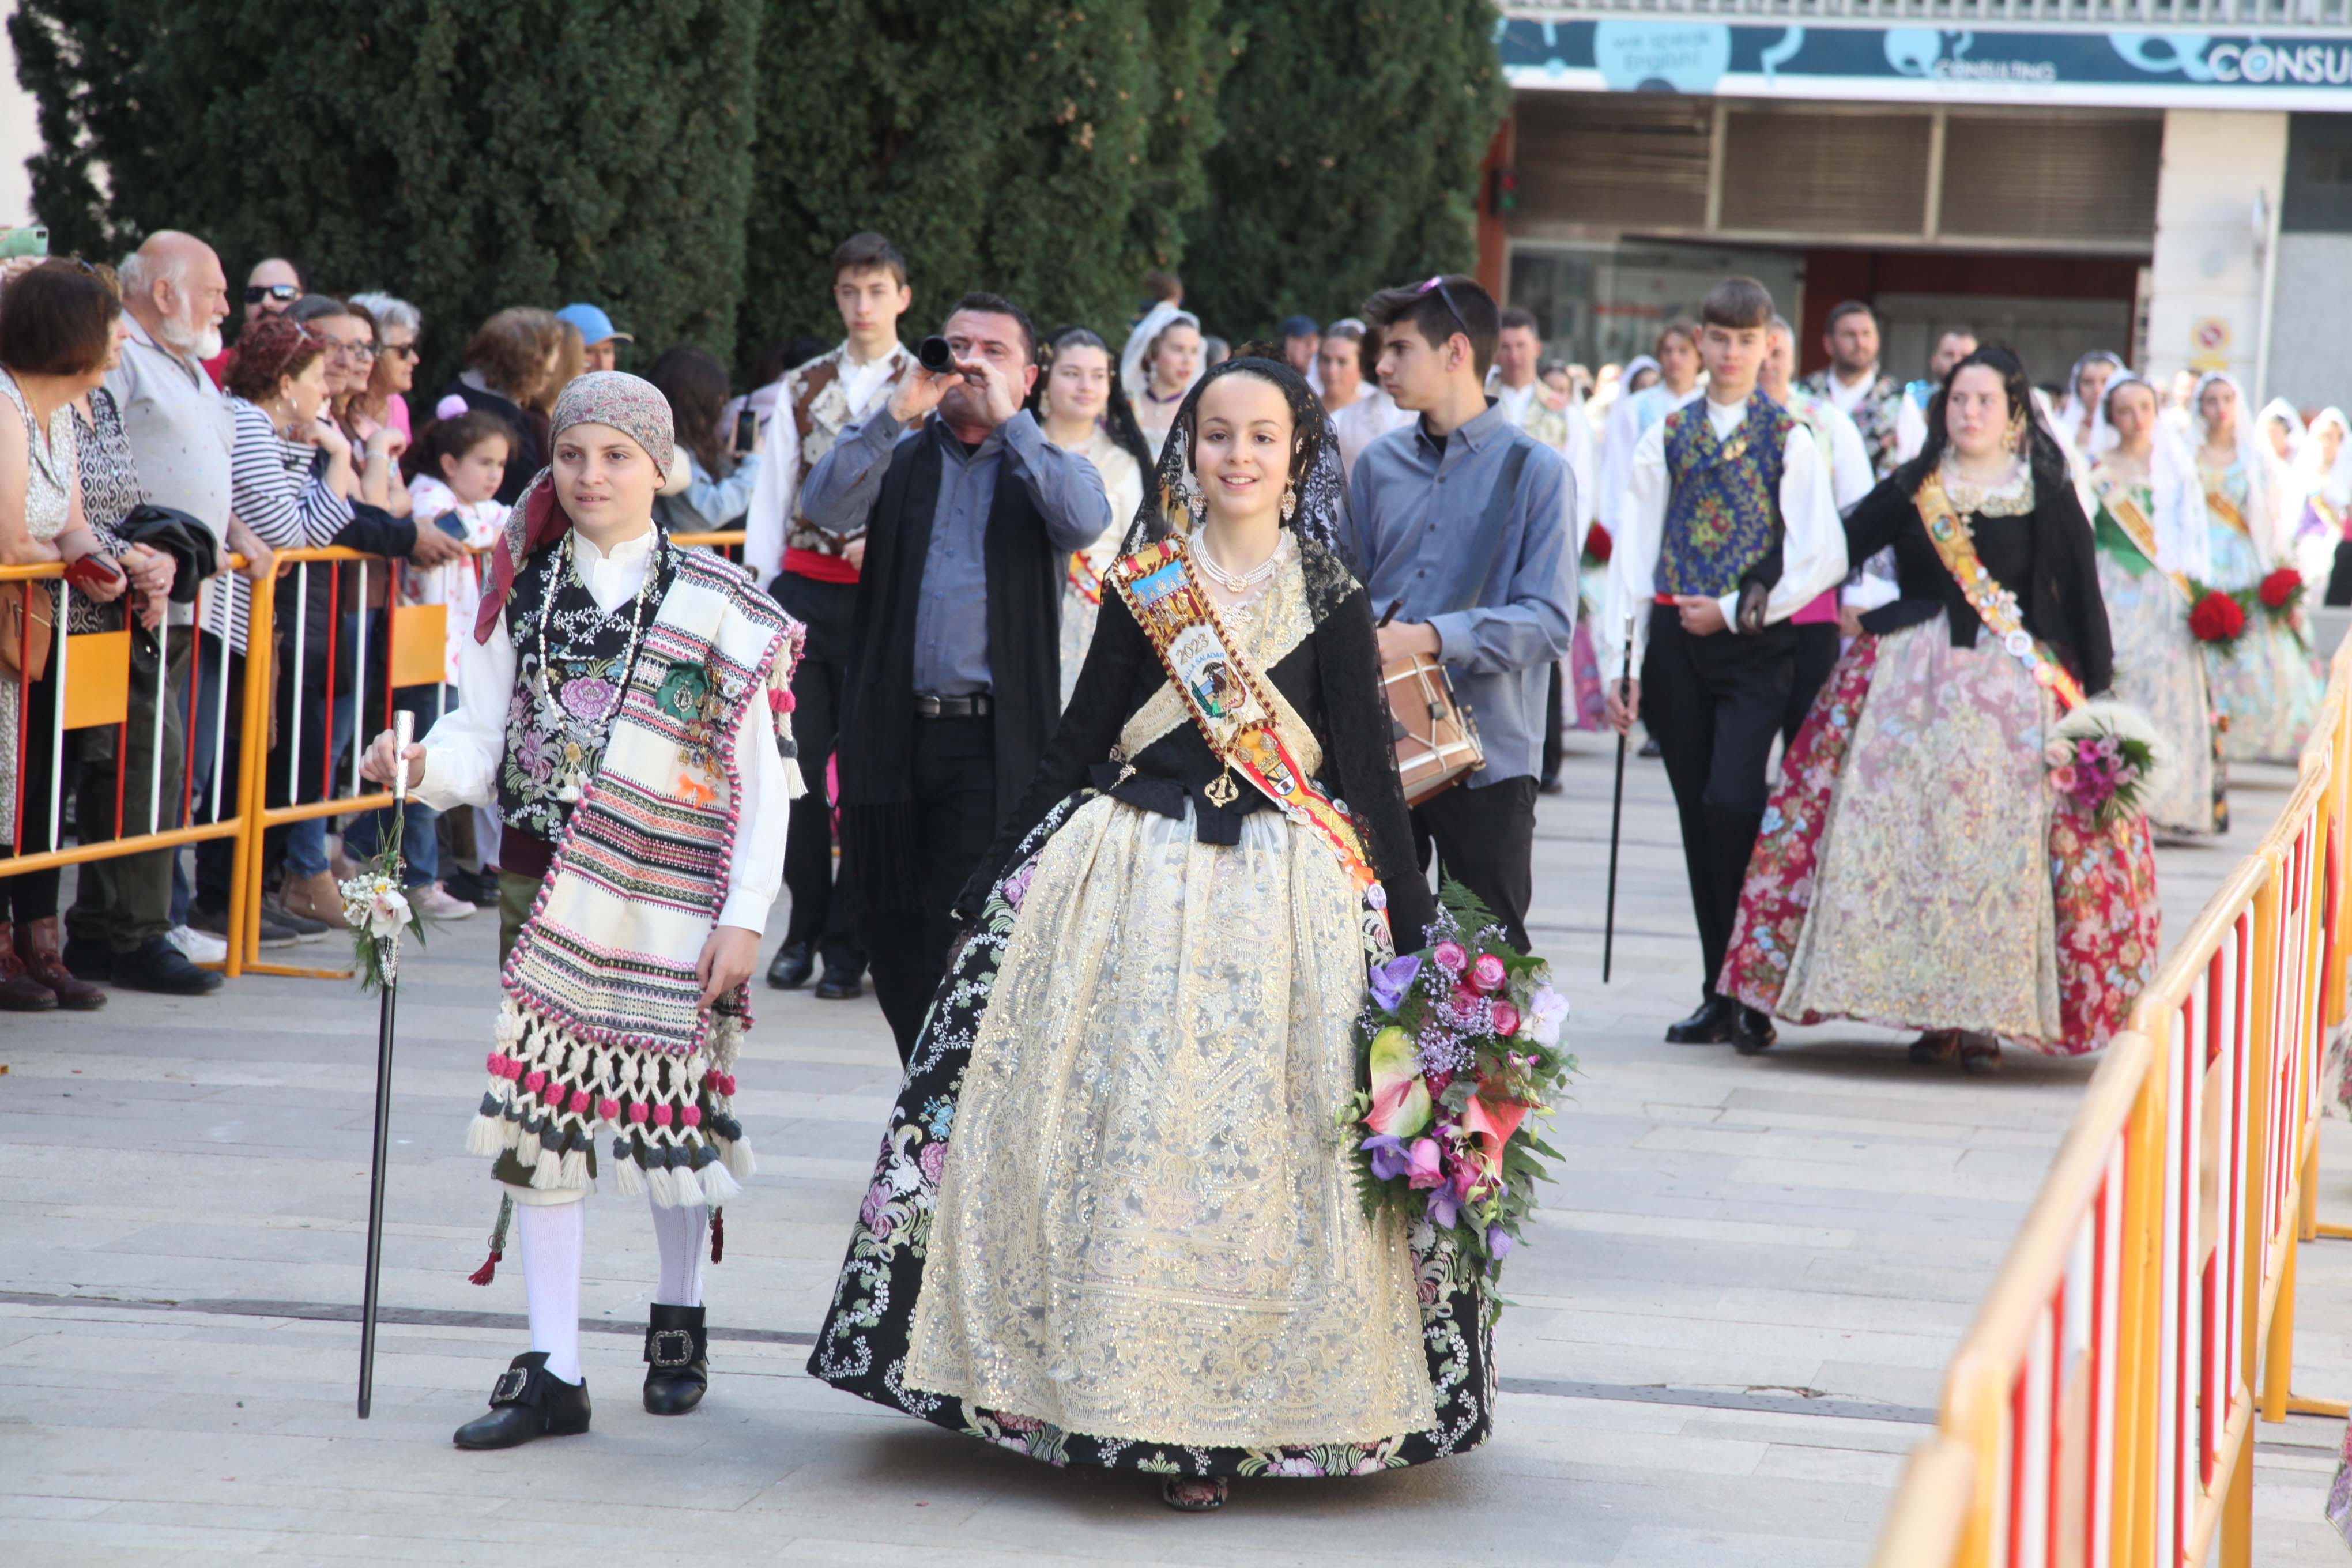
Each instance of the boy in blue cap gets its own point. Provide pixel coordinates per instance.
(597, 334)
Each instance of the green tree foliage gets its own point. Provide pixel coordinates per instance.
(1047, 150)
(690, 164)
(1353, 135)
(466, 156)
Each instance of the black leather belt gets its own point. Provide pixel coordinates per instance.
(932, 705)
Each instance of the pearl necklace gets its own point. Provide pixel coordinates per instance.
(561, 570)
(1238, 582)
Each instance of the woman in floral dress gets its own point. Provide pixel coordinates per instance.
(1921, 865)
(1112, 1223)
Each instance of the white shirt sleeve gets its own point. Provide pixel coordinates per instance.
(462, 753)
(1632, 584)
(764, 524)
(756, 867)
(1579, 468)
(1616, 462)
(1910, 428)
(1851, 477)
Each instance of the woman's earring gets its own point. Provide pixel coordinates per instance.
(1289, 502)
(2016, 434)
(1195, 503)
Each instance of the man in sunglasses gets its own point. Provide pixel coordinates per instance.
(1462, 530)
(271, 288)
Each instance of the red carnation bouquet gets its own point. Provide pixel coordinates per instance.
(2282, 596)
(2216, 617)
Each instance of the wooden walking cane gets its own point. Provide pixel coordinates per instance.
(1616, 816)
(403, 726)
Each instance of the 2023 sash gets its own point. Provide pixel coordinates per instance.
(1227, 701)
(1994, 605)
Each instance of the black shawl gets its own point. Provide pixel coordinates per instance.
(1333, 681)
(875, 748)
(2044, 557)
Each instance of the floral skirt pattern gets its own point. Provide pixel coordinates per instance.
(869, 1334)
(1939, 916)
(2158, 672)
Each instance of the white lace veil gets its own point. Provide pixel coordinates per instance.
(2261, 510)
(1133, 373)
(2179, 495)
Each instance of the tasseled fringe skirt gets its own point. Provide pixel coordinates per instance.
(671, 1116)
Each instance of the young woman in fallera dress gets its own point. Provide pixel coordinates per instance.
(2268, 685)
(1112, 1223)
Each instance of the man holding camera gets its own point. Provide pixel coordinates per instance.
(954, 682)
(812, 573)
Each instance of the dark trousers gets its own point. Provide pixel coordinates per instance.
(124, 903)
(1713, 704)
(32, 895)
(818, 917)
(1817, 655)
(2339, 577)
(1485, 839)
(216, 857)
(954, 768)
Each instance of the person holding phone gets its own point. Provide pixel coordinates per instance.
(954, 677)
(812, 573)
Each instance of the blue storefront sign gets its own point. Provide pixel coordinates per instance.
(2170, 69)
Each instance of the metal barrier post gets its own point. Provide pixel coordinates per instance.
(244, 922)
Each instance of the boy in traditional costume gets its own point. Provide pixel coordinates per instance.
(626, 705)
(1728, 530)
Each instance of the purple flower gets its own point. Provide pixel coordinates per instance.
(534, 757)
(874, 1214)
(933, 1161)
(1390, 1158)
(590, 697)
(1498, 1242)
(1445, 1210)
(1391, 980)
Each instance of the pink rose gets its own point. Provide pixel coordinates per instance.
(1507, 1019)
(1450, 957)
(1488, 975)
(1425, 1164)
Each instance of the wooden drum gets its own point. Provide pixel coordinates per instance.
(1436, 737)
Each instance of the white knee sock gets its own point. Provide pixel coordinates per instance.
(554, 1237)
(680, 1231)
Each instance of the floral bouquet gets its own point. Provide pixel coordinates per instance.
(1460, 1043)
(2215, 618)
(2281, 593)
(377, 908)
(2104, 755)
(1598, 547)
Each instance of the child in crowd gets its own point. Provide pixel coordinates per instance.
(454, 473)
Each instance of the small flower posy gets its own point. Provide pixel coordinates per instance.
(2104, 756)
(379, 912)
(1460, 1049)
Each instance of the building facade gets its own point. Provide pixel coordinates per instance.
(2169, 179)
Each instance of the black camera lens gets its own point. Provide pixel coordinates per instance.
(935, 356)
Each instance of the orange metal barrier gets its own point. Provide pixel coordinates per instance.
(2100, 1408)
(93, 672)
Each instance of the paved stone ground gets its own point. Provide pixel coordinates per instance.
(1730, 1327)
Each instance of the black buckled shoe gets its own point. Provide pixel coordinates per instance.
(839, 984)
(1752, 1032)
(1710, 1025)
(793, 964)
(525, 1403)
(677, 1360)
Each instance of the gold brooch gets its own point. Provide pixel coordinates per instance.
(1222, 791)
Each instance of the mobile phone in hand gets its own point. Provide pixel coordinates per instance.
(747, 430)
(30, 240)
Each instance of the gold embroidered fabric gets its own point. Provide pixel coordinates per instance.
(1932, 908)
(1145, 1226)
(1268, 628)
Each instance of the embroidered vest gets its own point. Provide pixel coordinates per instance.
(1723, 506)
(1873, 415)
(554, 743)
(819, 401)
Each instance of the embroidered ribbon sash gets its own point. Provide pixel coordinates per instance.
(1228, 703)
(1084, 578)
(2225, 509)
(1994, 605)
(2118, 506)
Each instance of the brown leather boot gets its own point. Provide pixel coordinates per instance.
(317, 898)
(19, 992)
(37, 944)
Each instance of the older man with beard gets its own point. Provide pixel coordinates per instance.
(123, 926)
